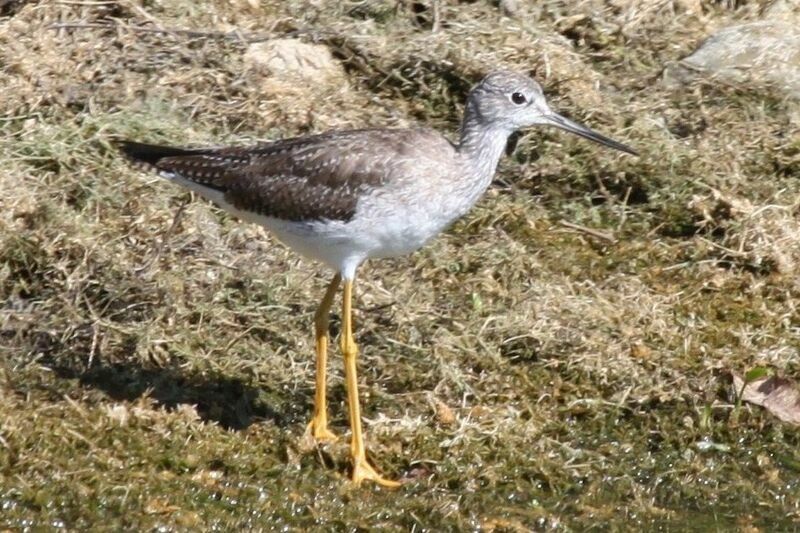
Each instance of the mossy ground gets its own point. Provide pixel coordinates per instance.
(517, 374)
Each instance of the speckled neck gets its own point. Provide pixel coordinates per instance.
(481, 145)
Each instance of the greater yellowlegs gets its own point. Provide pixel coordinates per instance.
(347, 196)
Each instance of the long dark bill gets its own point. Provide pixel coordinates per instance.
(578, 129)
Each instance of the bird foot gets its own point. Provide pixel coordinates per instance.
(363, 471)
(320, 432)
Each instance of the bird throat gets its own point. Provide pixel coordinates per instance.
(481, 146)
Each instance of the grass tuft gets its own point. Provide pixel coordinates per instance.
(156, 366)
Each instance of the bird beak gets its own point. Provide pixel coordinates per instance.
(573, 127)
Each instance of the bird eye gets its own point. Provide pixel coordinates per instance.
(518, 98)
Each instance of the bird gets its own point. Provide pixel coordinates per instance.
(346, 196)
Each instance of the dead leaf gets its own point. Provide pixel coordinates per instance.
(160, 506)
(640, 350)
(779, 396)
(444, 415)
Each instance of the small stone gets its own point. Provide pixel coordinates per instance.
(764, 52)
(510, 8)
(291, 58)
(784, 10)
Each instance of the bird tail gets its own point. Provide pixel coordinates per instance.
(150, 154)
(175, 164)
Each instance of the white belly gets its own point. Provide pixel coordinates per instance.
(381, 227)
(343, 246)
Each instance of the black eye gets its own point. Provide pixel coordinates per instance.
(518, 98)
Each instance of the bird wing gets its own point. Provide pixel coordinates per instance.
(301, 179)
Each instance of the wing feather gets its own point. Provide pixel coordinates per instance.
(301, 179)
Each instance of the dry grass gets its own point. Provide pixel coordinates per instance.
(156, 369)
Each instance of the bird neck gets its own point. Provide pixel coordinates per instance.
(482, 144)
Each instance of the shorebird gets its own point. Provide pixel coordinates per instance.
(347, 196)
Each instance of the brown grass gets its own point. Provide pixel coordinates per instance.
(157, 367)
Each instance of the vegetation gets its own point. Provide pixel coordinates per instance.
(156, 355)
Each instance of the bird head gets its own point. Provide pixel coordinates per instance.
(511, 101)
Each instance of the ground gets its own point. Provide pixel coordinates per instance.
(561, 359)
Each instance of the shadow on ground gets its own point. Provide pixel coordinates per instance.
(230, 402)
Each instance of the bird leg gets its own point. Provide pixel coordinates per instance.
(361, 468)
(318, 427)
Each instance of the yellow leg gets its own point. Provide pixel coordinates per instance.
(318, 427)
(361, 468)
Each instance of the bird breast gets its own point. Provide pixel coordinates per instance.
(402, 217)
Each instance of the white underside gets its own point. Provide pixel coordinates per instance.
(382, 227)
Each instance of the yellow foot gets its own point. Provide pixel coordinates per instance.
(320, 433)
(362, 470)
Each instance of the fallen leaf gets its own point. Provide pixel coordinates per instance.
(444, 414)
(640, 350)
(779, 396)
(160, 506)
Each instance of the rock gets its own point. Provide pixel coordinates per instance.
(300, 84)
(765, 52)
(294, 59)
(510, 8)
(301, 87)
(784, 10)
